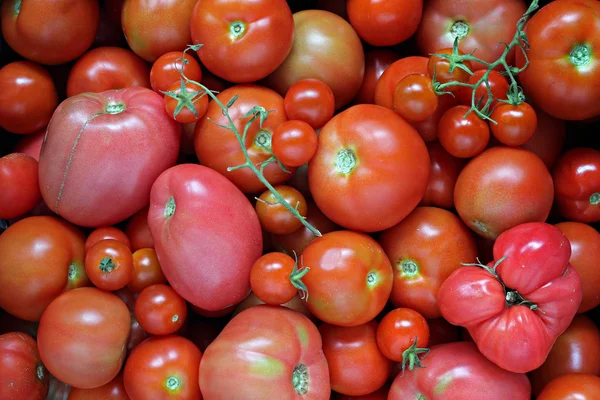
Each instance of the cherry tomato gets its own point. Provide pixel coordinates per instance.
(275, 278)
(20, 188)
(384, 89)
(311, 101)
(515, 124)
(146, 270)
(294, 143)
(109, 264)
(463, 137)
(274, 217)
(572, 386)
(498, 86)
(138, 232)
(440, 67)
(414, 98)
(186, 102)
(445, 169)
(399, 330)
(107, 232)
(376, 61)
(160, 310)
(113, 390)
(166, 70)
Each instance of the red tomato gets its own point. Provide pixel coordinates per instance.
(153, 28)
(457, 371)
(163, 367)
(414, 98)
(166, 70)
(400, 329)
(585, 252)
(83, 335)
(296, 304)
(31, 144)
(577, 184)
(107, 232)
(515, 181)
(564, 73)
(376, 61)
(515, 313)
(113, 390)
(242, 42)
(138, 232)
(442, 331)
(187, 107)
(20, 188)
(126, 129)
(440, 68)
(206, 246)
(275, 278)
(350, 278)
(498, 85)
(311, 101)
(463, 137)
(50, 31)
(146, 270)
(265, 346)
(548, 140)
(41, 258)
(445, 169)
(219, 149)
(294, 143)
(428, 129)
(339, 61)
(28, 97)
(23, 374)
(109, 264)
(479, 28)
(380, 394)
(274, 217)
(572, 386)
(356, 365)
(425, 248)
(351, 164)
(384, 89)
(515, 124)
(160, 310)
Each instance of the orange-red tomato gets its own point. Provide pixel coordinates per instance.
(106, 232)
(109, 264)
(444, 172)
(311, 101)
(400, 329)
(271, 278)
(294, 143)
(274, 217)
(146, 270)
(166, 70)
(515, 124)
(20, 187)
(572, 386)
(113, 390)
(160, 310)
(463, 137)
(440, 68)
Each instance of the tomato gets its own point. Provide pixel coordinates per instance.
(23, 374)
(414, 98)
(351, 164)
(400, 329)
(274, 217)
(160, 310)
(548, 140)
(163, 367)
(564, 71)
(296, 304)
(28, 97)
(392, 75)
(107, 232)
(515, 181)
(20, 189)
(515, 124)
(376, 61)
(442, 331)
(157, 27)
(275, 278)
(585, 250)
(445, 169)
(113, 390)
(479, 29)
(187, 107)
(577, 350)
(266, 346)
(126, 129)
(310, 101)
(350, 278)
(380, 394)
(339, 61)
(440, 68)
(109, 264)
(498, 85)
(82, 337)
(577, 184)
(572, 386)
(41, 258)
(457, 371)
(425, 248)
(219, 149)
(167, 69)
(206, 246)
(463, 137)
(49, 31)
(138, 232)
(294, 143)
(31, 144)
(146, 270)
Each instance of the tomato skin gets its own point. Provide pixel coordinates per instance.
(274, 217)
(106, 232)
(376, 62)
(41, 258)
(351, 288)
(414, 98)
(196, 235)
(82, 337)
(113, 390)
(572, 386)
(160, 310)
(498, 87)
(163, 367)
(548, 140)
(457, 371)
(557, 83)
(266, 345)
(310, 101)
(392, 75)
(146, 270)
(445, 169)
(31, 144)
(350, 166)
(270, 278)
(294, 143)
(515, 181)
(50, 32)
(20, 189)
(424, 249)
(515, 124)
(440, 67)
(399, 330)
(166, 70)
(28, 97)
(296, 304)
(23, 374)
(577, 184)
(138, 232)
(109, 264)
(185, 115)
(380, 394)
(463, 137)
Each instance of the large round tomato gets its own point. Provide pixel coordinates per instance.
(338, 61)
(113, 390)
(153, 28)
(20, 189)
(41, 258)
(275, 352)
(376, 62)
(219, 149)
(502, 188)
(361, 154)
(125, 131)
(563, 75)
(82, 337)
(572, 386)
(106, 68)
(242, 41)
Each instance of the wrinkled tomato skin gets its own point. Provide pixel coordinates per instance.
(572, 386)
(548, 140)
(376, 62)
(113, 390)
(21, 191)
(138, 232)
(23, 374)
(445, 169)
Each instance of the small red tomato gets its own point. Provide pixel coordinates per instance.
(274, 217)
(146, 270)
(515, 124)
(294, 143)
(109, 264)
(498, 85)
(165, 70)
(20, 187)
(400, 332)
(186, 102)
(311, 101)
(160, 310)
(463, 137)
(138, 232)
(572, 387)
(107, 232)
(275, 278)
(441, 68)
(414, 98)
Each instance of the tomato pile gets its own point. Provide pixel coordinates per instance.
(325, 199)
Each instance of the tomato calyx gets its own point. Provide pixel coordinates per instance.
(345, 161)
(106, 265)
(237, 29)
(460, 29)
(114, 108)
(172, 383)
(170, 207)
(300, 379)
(296, 279)
(581, 55)
(185, 98)
(76, 276)
(595, 199)
(410, 356)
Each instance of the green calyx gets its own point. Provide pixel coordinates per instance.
(107, 265)
(345, 161)
(410, 356)
(185, 99)
(372, 278)
(300, 379)
(263, 139)
(114, 108)
(296, 279)
(237, 29)
(581, 55)
(459, 30)
(17, 6)
(170, 207)
(595, 199)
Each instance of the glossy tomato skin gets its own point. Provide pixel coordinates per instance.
(376, 62)
(414, 98)
(564, 72)
(218, 148)
(400, 329)
(23, 374)
(266, 345)
(514, 334)
(515, 124)
(457, 371)
(41, 258)
(113, 390)
(498, 85)
(206, 247)
(445, 169)
(274, 217)
(138, 232)
(310, 101)
(515, 181)
(572, 386)
(28, 97)
(160, 310)
(106, 232)
(107, 68)
(126, 129)
(20, 188)
(350, 165)
(392, 75)
(83, 335)
(350, 278)
(463, 137)
(109, 264)
(294, 143)
(270, 278)
(163, 367)
(166, 70)
(50, 32)
(577, 184)
(424, 249)
(146, 270)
